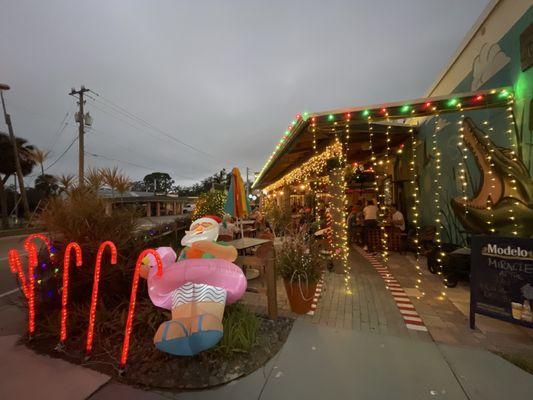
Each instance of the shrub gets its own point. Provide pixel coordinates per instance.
(210, 203)
(278, 217)
(298, 261)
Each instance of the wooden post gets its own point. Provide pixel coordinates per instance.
(272, 293)
(149, 209)
(157, 208)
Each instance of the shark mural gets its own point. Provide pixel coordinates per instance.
(510, 193)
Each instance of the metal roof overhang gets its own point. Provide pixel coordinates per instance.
(298, 146)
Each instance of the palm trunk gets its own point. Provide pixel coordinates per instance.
(3, 203)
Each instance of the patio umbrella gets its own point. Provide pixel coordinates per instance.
(237, 204)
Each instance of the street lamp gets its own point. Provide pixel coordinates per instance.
(7, 118)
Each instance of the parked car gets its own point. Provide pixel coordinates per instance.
(188, 208)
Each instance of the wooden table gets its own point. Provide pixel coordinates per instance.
(247, 243)
(245, 222)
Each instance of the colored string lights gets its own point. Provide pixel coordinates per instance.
(96, 282)
(427, 107)
(133, 299)
(73, 246)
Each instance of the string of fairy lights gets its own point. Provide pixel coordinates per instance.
(337, 127)
(491, 178)
(514, 153)
(385, 192)
(415, 213)
(436, 199)
(463, 151)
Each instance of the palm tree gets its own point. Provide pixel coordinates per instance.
(8, 167)
(111, 176)
(66, 182)
(40, 157)
(94, 179)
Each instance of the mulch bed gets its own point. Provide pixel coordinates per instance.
(149, 368)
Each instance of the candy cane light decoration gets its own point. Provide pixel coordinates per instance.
(96, 281)
(64, 296)
(28, 284)
(40, 236)
(133, 299)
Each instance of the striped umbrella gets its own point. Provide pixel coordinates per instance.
(237, 203)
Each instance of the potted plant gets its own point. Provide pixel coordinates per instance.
(298, 263)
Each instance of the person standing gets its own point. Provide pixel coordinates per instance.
(370, 213)
(397, 219)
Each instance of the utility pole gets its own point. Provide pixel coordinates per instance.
(7, 118)
(80, 119)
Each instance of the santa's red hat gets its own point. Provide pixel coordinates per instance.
(215, 217)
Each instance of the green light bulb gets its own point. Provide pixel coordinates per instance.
(331, 117)
(366, 113)
(452, 102)
(503, 93)
(287, 133)
(405, 108)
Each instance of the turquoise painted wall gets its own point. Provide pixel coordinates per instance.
(447, 139)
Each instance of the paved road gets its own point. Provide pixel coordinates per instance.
(8, 282)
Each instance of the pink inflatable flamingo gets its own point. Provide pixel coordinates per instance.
(96, 281)
(64, 296)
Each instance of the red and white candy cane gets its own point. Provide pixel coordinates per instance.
(133, 300)
(96, 281)
(64, 296)
(28, 283)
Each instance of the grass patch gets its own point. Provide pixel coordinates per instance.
(240, 330)
(523, 363)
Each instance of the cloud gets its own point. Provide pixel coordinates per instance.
(487, 63)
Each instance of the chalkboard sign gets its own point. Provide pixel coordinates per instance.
(501, 279)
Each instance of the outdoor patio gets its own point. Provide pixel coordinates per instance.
(372, 308)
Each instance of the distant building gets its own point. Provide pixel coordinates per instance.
(150, 204)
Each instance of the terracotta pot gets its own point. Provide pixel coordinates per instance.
(299, 304)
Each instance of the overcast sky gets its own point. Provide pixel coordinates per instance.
(225, 77)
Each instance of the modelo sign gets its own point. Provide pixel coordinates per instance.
(502, 279)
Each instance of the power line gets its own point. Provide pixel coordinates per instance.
(133, 164)
(119, 144)
(62, 154)
(131, 115)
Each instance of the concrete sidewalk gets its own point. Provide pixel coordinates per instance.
(321, 362)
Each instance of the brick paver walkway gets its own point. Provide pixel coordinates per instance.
(370, 307)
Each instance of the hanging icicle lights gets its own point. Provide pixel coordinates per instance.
(493, 98)
(491, 174)
(415, 213)
(513, 144)
(308, 170)
(436, 196)
(462, 165)
(386, 193)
